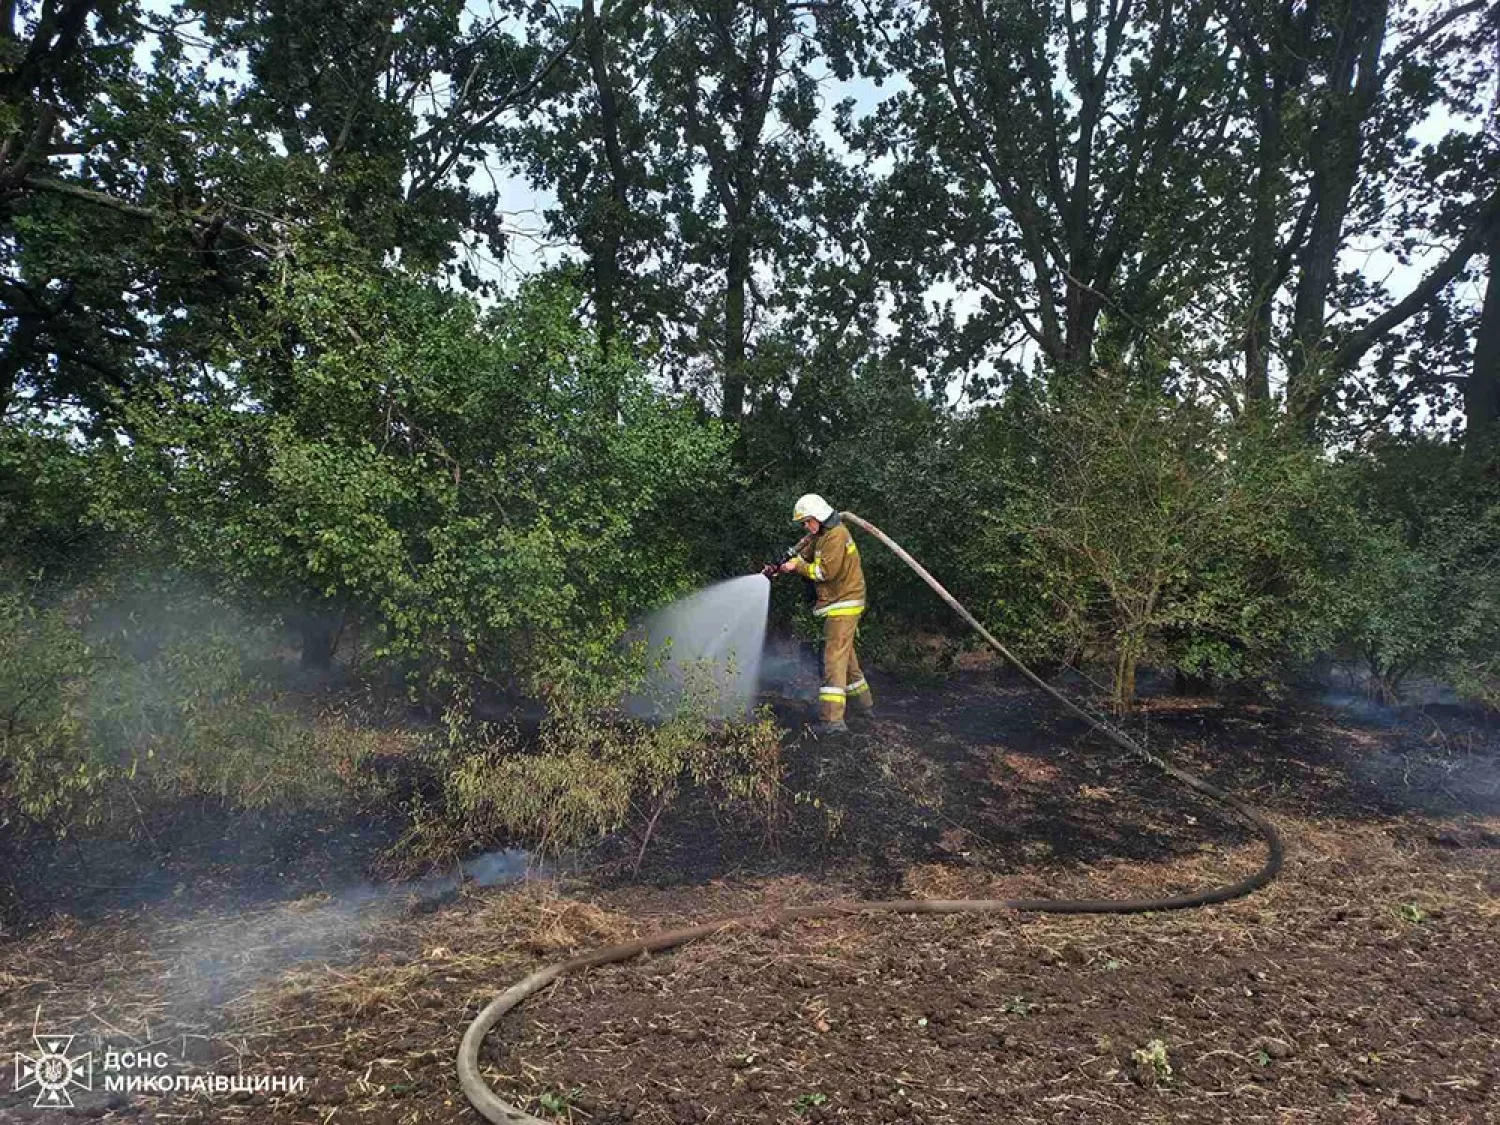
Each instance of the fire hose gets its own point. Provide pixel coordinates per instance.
(495, 1109)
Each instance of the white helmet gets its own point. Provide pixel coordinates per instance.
(812, 506)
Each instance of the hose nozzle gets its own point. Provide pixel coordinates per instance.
(771, 570)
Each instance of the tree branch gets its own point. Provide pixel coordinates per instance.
(1417, 42)
(1352, 349)
(1031, 238)
(510, 101)
(151, 214)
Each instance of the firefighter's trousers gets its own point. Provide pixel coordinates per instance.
(843, 681)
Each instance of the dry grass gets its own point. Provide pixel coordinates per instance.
(371, 1011)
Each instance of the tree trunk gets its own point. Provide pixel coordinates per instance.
(604, 271)
(1082, 310)
(609, 213)
(318, 634)
(737, 277)
(1482, 391)
(1125, 666)
(1337, 155)
(14, 356)
(1263, 235)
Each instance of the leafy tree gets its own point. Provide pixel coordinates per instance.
(485, 491)
(592, 148)
(1160, 534)
(365, 120)
(1057, 155)
(1082, 170)
(45, 490)
(1423, 566)
(683, 146)
(1380, 77)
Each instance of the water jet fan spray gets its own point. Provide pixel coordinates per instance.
(705, 651)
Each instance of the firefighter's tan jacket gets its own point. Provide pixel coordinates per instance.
(831, 560)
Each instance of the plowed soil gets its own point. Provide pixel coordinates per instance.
(1363, 986)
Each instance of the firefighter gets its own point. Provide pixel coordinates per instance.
(831, 561)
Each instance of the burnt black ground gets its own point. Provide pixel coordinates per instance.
(918, 783)
(1371, 959)
(984, 770)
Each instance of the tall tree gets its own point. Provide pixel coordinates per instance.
(1482, 392)
(684, 149)
(358, 123)
(1080, 136)
(591, 147)
(1440, 200)
(1274, 44)
(1363, 109)
(56, 61)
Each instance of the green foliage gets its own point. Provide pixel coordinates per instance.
(1158, 533)
(691, 178)
(1268, 591)
(1411, 912)
(873, 442)
(486, 492)
(44, 665)
(1424, 573)
(899, 461)
(232, 354)
(45, 487)
(1109, 520)
(558, 1101)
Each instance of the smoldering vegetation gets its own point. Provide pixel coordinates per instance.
(166, 746)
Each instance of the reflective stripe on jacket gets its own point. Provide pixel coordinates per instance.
(831, 560)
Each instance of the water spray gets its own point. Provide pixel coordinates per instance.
(494, 1109)
(705, 651)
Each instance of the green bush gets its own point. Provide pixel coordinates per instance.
(1154, 532)
(45, 492)
(485, 492)
(1112, 521)
(46, 771)
(875, 443)
(1424, 568)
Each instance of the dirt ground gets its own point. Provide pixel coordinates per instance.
(1362, 986)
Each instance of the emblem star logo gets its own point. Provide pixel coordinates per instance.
(54, 1071)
